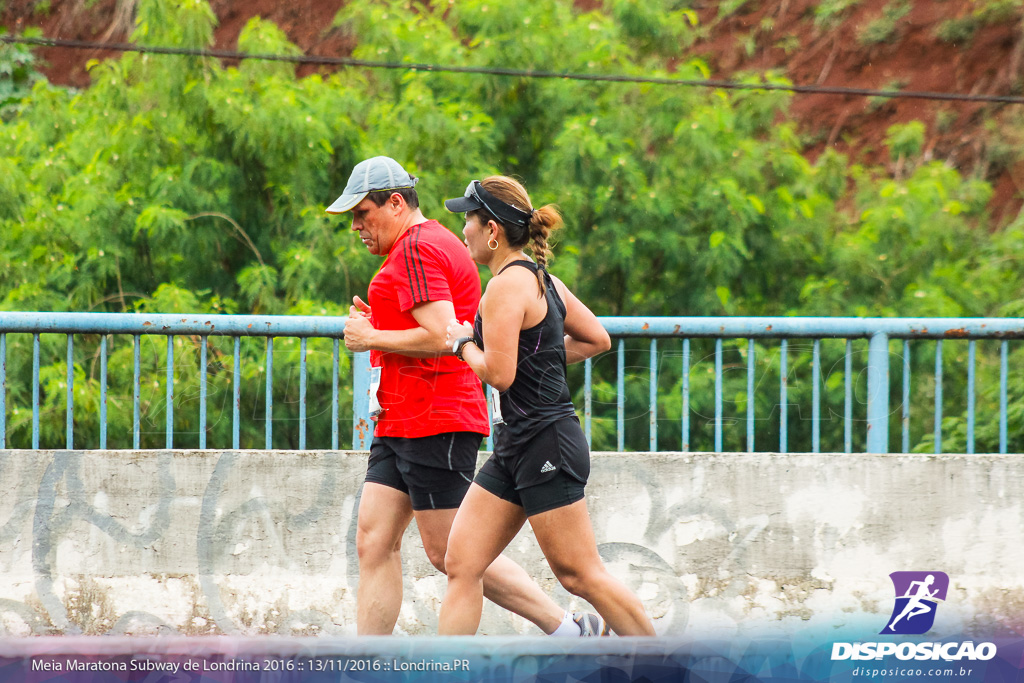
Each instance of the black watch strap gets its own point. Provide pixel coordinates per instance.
(460, 344)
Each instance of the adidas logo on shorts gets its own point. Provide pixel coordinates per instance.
(548, 467)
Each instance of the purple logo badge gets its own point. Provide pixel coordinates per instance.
(917, 597)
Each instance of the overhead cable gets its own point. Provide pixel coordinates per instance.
(517, 73)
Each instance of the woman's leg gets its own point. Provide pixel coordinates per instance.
(567, 539)
(505, 582)
(483, 527)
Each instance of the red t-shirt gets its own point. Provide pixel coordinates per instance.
(425, 396)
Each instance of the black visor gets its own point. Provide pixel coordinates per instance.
(477, 197)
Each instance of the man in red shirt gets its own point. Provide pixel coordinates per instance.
(430, 410)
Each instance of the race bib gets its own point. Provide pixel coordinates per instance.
(496, 418)
(375, 408)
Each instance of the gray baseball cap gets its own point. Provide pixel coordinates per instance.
(378, 173)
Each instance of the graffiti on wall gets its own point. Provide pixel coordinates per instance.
(234, 542)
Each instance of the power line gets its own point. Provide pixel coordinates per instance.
(516, 73)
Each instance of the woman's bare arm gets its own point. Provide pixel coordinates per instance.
(585, 337)
(503, 309)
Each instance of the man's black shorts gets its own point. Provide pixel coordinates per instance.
(550, 472)
(435, 471)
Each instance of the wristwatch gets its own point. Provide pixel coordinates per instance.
(459, 344)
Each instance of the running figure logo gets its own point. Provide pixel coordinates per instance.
(917, 597)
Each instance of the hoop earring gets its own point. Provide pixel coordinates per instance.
(495, 247)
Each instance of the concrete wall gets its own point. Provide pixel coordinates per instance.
(249, 542)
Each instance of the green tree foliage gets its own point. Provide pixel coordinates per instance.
(884, 28)
(905, 139)
(983, 13)
(182, 184)
(17, 74)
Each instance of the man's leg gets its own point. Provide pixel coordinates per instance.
(384, 515)
(505, 583)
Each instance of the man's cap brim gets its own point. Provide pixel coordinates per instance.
(346, 202)
(462, 204)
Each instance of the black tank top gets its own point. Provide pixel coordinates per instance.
(539, 394)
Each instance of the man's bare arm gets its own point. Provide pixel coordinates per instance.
(425, 341)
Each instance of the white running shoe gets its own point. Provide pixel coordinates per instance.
(591, 624)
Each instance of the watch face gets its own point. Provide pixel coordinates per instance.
(459, 345)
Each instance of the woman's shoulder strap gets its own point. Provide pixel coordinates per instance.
(529, 265)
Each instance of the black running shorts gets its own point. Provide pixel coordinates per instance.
(434, 471)
(549, 472)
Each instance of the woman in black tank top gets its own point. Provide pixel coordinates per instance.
(528, 328)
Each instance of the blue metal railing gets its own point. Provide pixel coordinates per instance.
(878, 332)
(172, 326)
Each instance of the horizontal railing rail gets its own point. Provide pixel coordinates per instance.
(174, 324)
(171, 326)
(687, 330)
(809, 328)
(877, 330)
